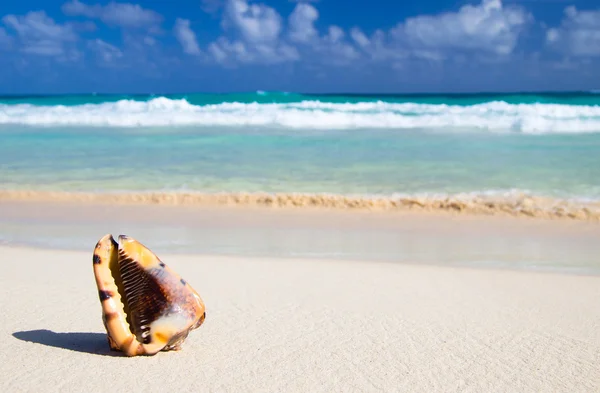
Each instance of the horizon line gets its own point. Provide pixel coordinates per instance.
(333, 93)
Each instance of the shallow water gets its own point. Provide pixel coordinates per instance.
(542, 144)
(364, 162)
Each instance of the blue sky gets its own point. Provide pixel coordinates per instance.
(160, 46)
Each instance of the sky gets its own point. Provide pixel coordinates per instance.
(370, 46)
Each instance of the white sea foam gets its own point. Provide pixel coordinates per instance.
(161, 111)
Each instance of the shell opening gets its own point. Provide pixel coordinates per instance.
(147, 307)
(115, 272)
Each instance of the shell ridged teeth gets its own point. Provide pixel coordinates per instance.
(152, 309)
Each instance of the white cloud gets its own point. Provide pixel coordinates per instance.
(186, 37)
(301, 22)
(360, 38)
(138, 25)
(258, 29)
(256, 33)
(332, 48)
(108, 53)
(115, 14)
(226, 51)
(336, 48)
(377, 47)
(37, 24)
(260, 37)
(488, 27)
(40, 35)
(578, 33)
(222, 48)
(256, 22)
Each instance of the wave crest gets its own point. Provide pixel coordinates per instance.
(312, 114)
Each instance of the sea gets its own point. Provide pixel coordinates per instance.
(367, 146)
(528, 154)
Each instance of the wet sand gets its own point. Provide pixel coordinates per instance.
(403, 237)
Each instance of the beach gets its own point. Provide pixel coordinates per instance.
(397, 243)
(262, 196)
(325, 323)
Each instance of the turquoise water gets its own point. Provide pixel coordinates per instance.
(567, 98)
(542, 144)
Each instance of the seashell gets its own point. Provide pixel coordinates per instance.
(146, 306)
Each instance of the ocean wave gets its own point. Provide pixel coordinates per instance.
(312, 114)
(513, 203)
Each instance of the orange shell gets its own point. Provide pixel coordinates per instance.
(146, 306)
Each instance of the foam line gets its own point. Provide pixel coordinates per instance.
(512, 205)
(313, 114)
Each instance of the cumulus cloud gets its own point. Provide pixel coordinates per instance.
(360, 38)
(488, 27)
(301, 23)
(578, 33)
(257, 28)
(229, 52)
(139, 26)
(186, 37)
(485, 28)
(39, 34)
(257, 23)
(377, 47)
(260, 36)
(108, 53)
(115, 14)
(333, 47)
(256, 33)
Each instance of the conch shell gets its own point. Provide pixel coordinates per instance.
(146, 306)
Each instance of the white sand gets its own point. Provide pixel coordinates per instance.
(309, 326)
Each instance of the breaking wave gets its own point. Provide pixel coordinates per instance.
(534, 118)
